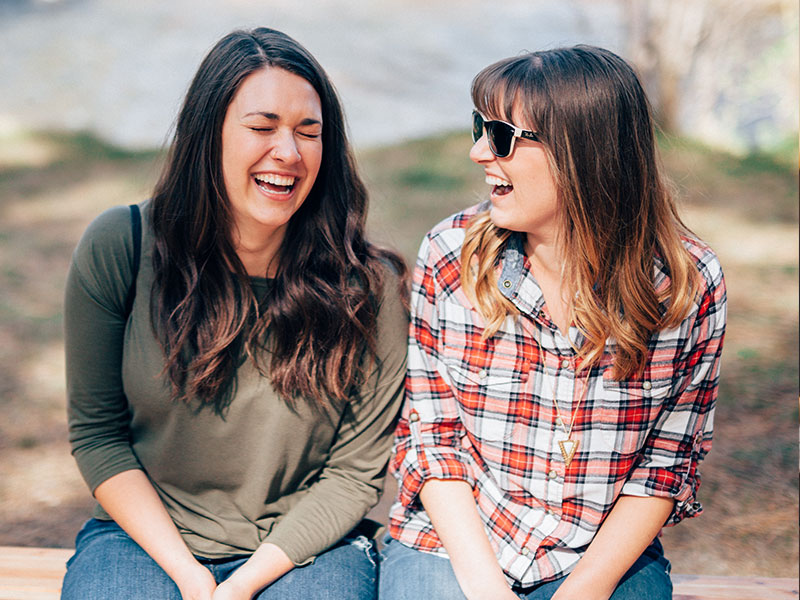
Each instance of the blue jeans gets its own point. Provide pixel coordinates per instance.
(407, 574)
(109, 565)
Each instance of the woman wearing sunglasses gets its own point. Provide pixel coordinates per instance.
(564, 353)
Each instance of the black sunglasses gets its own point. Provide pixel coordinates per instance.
(501, 135)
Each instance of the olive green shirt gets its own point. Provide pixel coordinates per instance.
(298, 478)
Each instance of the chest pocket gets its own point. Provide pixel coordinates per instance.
(489, 388)
(627, 411)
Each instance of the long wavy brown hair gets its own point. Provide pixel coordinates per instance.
(616, 213)
(314, 332)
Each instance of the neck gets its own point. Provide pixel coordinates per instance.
(547, 262)
(257, 251)
(545, 254)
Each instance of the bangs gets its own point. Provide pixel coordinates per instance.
(498, 88)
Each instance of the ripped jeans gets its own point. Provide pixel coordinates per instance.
(108, 564)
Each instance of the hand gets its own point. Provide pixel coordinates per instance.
(197, 584)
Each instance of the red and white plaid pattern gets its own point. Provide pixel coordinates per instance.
(482, 411)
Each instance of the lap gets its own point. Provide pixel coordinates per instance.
(348, 571)
(109, 565)
(407, 574)
(647, 579)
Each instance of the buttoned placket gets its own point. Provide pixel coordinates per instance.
(558, 376)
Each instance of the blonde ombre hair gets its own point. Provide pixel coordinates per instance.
(615, 210)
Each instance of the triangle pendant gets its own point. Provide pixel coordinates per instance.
(568, 448)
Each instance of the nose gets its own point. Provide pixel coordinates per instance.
(480, 152)
(285, 148)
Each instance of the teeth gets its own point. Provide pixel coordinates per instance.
(492, 180)
(274, 179)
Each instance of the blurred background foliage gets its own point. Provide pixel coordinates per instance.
(723, 78)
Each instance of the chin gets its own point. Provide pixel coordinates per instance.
(501, 219)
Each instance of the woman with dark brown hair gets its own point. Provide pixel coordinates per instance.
(232, 394)
(564, 353)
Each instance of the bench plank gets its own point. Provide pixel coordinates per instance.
(36, 574)
(32, 573)
(705, 587)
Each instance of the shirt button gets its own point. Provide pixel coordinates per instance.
(564, 363)
(647, 385)
(552, 474)
(414, 416)
(465, 442)
(525, 552)
(482, 374)
(506, 283)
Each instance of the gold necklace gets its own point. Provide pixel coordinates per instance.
(569, 446)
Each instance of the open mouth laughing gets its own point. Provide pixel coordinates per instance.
(274, 183)
(500, 187)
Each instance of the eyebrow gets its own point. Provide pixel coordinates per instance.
(275, 117)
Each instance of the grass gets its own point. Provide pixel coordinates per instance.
(51, 186)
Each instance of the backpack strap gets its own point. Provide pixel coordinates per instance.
(136, 229)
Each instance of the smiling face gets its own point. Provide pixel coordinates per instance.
(523, 190)
(271, 153)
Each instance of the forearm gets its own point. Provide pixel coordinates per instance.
(627, 531)
(267, 564)
(130, 499)
(454, 514)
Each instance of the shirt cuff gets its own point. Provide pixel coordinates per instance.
(664, 483)
(417, 461)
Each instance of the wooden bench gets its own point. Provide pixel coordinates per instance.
(31, 573)
(705, 587)
(36, 573)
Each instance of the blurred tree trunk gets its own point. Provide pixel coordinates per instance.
(664, 39)
(687, 50)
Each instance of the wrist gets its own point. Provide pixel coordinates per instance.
(235, 587)
(245, 581)
(185, 569)
(580, 585)
(264, 566)
(479, 586)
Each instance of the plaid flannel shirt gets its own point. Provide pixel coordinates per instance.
(483, 411)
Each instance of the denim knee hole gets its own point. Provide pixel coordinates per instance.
(363, 543)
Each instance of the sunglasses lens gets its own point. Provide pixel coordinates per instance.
(500, 136)
(477, 126)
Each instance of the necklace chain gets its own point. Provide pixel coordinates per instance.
(569, 446)
(568, 431)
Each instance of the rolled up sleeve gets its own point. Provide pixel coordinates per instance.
(682, 435)
(428, 436)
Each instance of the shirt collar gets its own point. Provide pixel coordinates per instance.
(516, 281)
(519, 286)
